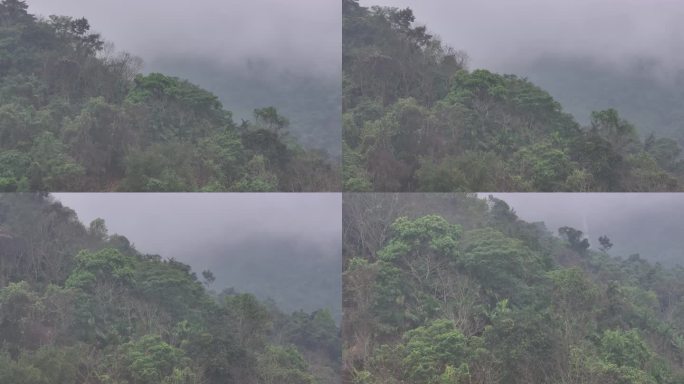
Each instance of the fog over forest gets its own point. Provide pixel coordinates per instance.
(286, 247)
(645, 223)
(589, 55)
(498, 34)
(301, 36)
(288, 57)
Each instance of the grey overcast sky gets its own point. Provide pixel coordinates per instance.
(170, 224)
(646, 223)
(295, 34)
(500, 34)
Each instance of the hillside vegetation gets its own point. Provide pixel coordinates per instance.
(416, 119)
(78, 305)
(74, 116)
(454, 289)
(311, 101)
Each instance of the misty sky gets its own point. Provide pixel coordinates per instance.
(646, 223)
(169, 224)
(302, 34)
(502, 34)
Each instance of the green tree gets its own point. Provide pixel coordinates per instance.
(107, 266)
(435, 352)
(249, 319)
(546, 167)
(502, 264)
(20, 307)
(617, 131)
(270, 119)
(575, 239)
(283, 365)
(150, 360)
(51, 167)
(624, 348)
(98, 229)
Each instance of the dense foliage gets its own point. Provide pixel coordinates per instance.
(415, 119)
(78, 305)
(454, 289)
(74, 116)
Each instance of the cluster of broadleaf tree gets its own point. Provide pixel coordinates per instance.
(455, 289)
(78, 305)
(415, 119)
(76, 117)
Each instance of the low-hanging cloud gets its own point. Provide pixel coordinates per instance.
(299, 36)
(181, 225)
(504, 34)
(645, 223)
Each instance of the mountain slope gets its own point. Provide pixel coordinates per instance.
(82, 306)
(415, 119)
(459, 290)
(76, 117)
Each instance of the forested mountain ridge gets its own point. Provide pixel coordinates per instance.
(78, 305)
(310, 101)
(76, 117)
(459, 290)
(416, 119)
